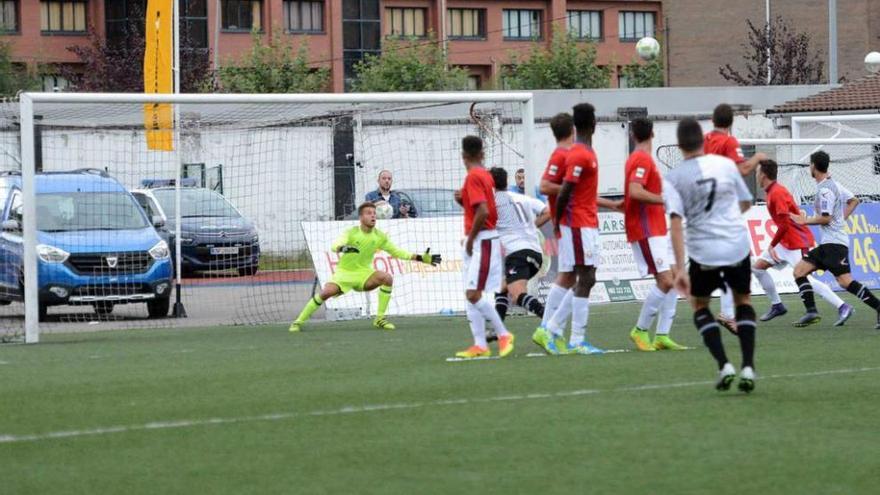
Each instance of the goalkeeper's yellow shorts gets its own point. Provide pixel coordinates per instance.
(348, 280)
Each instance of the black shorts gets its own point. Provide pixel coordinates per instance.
(705, 279)
(830, 257)
(522, 265)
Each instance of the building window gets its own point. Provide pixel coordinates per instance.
(242, 15)
(8, 16)
(518, 24)
(54, 83)
(304, 16)
(67, 16)
(585, 24)
(194, 23)
(466, 24)
(634, 26)
(405, 22)
(473, 82)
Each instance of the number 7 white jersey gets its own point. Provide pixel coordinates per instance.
(516, 221)
(706, 192)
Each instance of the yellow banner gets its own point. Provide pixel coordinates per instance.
(158, 57)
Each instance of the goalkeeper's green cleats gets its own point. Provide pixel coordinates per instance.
(383, 324)
(664, 343)
(295, 327)
(641, 339)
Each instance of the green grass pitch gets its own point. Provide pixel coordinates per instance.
(345, 408)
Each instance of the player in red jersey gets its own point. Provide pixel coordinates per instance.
(645, 222)
(483, 263)
(789, 245)
(577, 225)
(720, 141)
(560, 293)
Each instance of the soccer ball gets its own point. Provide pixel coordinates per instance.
(648, 48)
(384, 210)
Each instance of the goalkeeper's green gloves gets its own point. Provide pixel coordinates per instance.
(429, 259)
(348, 249)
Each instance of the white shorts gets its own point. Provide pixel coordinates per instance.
(484, 269)
(785, 256)
(653, 255)
(579, 246)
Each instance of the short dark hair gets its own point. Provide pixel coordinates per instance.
(690, 135)
(722, 117)
(562, 125)
(820, 160)
(584, 117)
(520, 170)
(499, 175)
(770, 169)
(472, 146)
(641, 129)
(364, 206)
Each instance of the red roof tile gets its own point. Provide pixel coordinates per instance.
(862, 94)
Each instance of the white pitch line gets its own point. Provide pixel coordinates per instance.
(190, 423)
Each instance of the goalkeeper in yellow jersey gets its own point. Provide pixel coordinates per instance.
(357, 246)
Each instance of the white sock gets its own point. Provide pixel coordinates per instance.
(823, 290)
(667, 312)
(768, 284)
(554, 299)
(650, 308)
(580, 314)
(478, 325)
(488, 311)
(727, 303)
(557, 323)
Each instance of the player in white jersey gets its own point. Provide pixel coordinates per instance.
(518, 218)
(833, 205)
(709, 192)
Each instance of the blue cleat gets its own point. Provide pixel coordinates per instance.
(584, 348)
(775, 310)
(844, 313)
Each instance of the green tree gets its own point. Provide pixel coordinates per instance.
(647, 75)
(272, 67)
(567, 63)
(13, 79)
(408, 65)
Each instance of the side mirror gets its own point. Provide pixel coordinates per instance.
(158, 221)
(11, 226)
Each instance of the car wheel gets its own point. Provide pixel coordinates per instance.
(247, 271)
(103, 308)
(4, 302)
(158, 308)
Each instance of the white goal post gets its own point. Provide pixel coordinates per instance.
(517, 106)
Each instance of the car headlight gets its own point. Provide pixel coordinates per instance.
(51, 254)
(160, 251)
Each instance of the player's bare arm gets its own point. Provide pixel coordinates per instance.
(748, 166)
(549, 188)
(803, 219)
(480, 216)
(744, 206)
(610, 204)
(562, 203)
(851, 206)
(543, 218)
(638, 192)
(457, 196)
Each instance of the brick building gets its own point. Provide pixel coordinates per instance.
(482, 34)
(701, 35)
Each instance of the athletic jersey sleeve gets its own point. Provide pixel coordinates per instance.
(535, 205)
(576, 164)
(640, 170)
(390, 248)
(779, 212)
(827, 200)
(734, 150)
(742, 190)
(343, 239)
(845, 194)
(672, 200)
(475, 193)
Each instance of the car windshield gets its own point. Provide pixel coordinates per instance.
(195, 202)
(62, 212)
(434, 202)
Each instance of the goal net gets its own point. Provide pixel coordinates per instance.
(253, 188)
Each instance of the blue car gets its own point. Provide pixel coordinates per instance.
(95, 245)
(214, 235)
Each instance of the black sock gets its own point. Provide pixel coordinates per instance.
(708, 328)
(745, 330)
(531, 303)
(806, 291)
(857, 289)
(501, 304)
